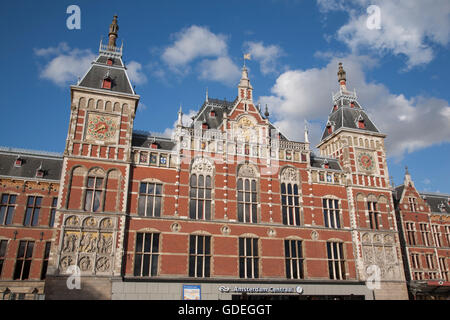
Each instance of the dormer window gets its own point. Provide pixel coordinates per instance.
(352, 104)
(326, 165)
(106, 84)
(109, 62)
(361, 124)
(107, 81)
(334, 107)
(205, 126)
(18, 162)
(154, 145)
(329, 127)
(40, 173)
(212, 114)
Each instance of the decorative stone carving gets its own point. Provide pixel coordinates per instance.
(105, 243)
(85, 263)
(314, 235)
(72, 221)
(247, 170)
(225, 230)
(66, 262)
(90, 222)
(88, 242)
(175, 227)
(103, 264)
(271, 232)
(70, 243)
(106, 224)
(202, 165)
(290, 175)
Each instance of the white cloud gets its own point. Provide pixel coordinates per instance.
(408, 27)
(134, 70)
(221, 69)
(66, 64)
(197, 48)
(267, 56)
(410, 123)
(192, 43)
(169, 132)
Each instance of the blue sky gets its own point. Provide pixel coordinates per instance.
(177, 49)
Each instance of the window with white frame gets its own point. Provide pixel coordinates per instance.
(247, 194)
(146, 254)
(415, 260)
(412, 204)
(331, 213)
(294, 259)
(437, 235)
(199, 256)
(411, 233)
(374, 215)
(425, 233)
(336, 261)
(430, 260)
(444, 269)
(248, 258)
(94, 192)
(150, 198)
(290, 197)
(201, 187)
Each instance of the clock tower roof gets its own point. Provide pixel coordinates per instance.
(108, 65)
(347, 111)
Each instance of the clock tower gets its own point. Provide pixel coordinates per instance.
(93, 198)
(353, 139)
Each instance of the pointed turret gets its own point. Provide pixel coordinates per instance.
(245, 89)
(113, 32)
(341, 77)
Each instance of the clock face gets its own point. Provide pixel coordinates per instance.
(365, 161)
(101, 127)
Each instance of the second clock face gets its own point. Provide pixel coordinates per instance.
(365, 161)
(101, 127)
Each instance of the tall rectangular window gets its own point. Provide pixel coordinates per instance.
(93, 194)
(199, 256)
(200, 197)
(248, 258)
(3, 246)
(415, 260)
(331, 213)
(412, 204)
(430, 260)
(32, 212)
(51, 220)
(447, 235)
(374, 215)
(45, 259)
(150, 195)
(437, 235)
(247, 200)
(290, 204)
(410, 233)
(146, 254)
(444, 269)
(23, 261)
(7, 206)
(336, 261)
(294, 259)
(425, 233)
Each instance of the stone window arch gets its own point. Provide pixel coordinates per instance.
(201, 189)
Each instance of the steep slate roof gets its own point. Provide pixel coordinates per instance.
(94, 77)
(219, 107)
(51, 164)
(144, 139)
(318, 162)
(437, 201)
(347, 117)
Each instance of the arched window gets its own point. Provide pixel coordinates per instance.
(247, 194)
(290, 197)
(94, 190)
(201, 189)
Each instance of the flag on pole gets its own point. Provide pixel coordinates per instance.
(247, 56)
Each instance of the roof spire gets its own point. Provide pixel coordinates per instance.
(266, 112)
(180, 117)
(342, 79)
(207, 98)
(245, 88)
(407, 182)
(306, 132)
(113, 29)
